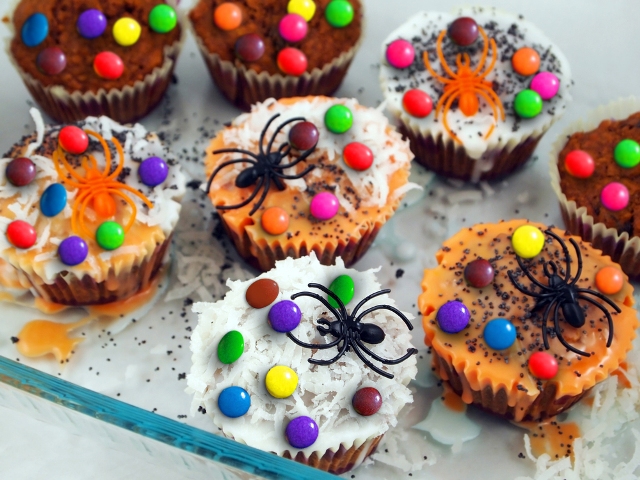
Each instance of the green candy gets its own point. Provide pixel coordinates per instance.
(338, 119)
(230, 347)
(162, 18)
(110, 235)
(339, 13)
(527, 104)
(627, 153)
(343, 287)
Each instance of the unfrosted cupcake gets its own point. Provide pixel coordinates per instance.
(474, 91)
(282, 365)
(301, 175)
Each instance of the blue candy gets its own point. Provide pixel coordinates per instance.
(234, 402)
(499, 334)
(53, 200)
(35, 30)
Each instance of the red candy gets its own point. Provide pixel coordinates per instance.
(108, 65)
(292, 61)
(21, 235)
(367, 401)
(357, 156)
(417, 103)
(73, 139)
(579, 164)
(543, 365)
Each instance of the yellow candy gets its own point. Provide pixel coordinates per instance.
(527, 241)
(126, 31)
(304, 8)
(281, 381)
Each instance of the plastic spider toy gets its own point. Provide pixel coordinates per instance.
(563, 294)
(265, 167)
(350, 332)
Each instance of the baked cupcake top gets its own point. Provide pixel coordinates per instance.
(483, 77)
(260, 325)
(490, 313)
(85, 198)
(278, 36)
(89, 45)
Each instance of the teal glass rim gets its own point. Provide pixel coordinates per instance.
(153, 426)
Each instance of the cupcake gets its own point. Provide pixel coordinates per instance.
(301, 175)
(522, 320)
(87, 211)
(82, 58)
(306, 361)
(277, 48)
(594, 170)
(474, 91)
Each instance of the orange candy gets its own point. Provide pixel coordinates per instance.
(609, 280)
(275, 220)
(227, 16)
(526, 61)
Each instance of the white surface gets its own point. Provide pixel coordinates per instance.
(600, 41)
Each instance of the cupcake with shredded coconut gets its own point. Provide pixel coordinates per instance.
(310, 174)
(307, 361)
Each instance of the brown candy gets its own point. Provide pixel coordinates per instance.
(262, 293)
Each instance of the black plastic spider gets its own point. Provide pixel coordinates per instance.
(350, 331)
(562, 293)
(265, 166)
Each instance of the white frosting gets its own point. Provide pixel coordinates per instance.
(324, 393)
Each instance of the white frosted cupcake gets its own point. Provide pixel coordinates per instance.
(326, 406)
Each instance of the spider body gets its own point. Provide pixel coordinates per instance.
(350, 332)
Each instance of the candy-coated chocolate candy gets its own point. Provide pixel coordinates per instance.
(249, 47)
(609, 280)
(281, 381)
(73, 139)
(110, 235)
(126, 31)
(546, 84)
(526, 61)
(527, 241)
(527, 104)
(627, 153)
(344, 288)
(91, 23)
(21, 171)
(51, 61)
(463, 31)
(453, 317)
(293, 27)
(543, 365)
(292, 61)
(108, 65)
(579, 164)
(357, 156)
(234, 402)
(34, 30)
(73, 251)
(301, 432)
(21, 234)
(499, 334)
(163, 18)
(479, 273)
(262, 293)
(284, 316)
(367, 401)
(339, 13)
(400, 53)
(324, 206)
(153, 171)
(275, 220)
(305, 8)
(303, 136)
(230, 347)
(338, 119)
(417, 103)
(227, 16)
(614, 196)
(53, 200)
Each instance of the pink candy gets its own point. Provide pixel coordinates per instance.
(400, 53)
(324, 206)
(545, 84)
(614, 196)
(293, 27)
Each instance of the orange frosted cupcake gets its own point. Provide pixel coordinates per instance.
(523, 320)
(306, 174)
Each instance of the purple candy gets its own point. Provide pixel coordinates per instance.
(301, 432)
(91, 23)
(73, 251)
(153, 171)
(284, 316)
(453, 317)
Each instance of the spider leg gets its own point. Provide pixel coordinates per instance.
(263, 133)
(607, 314)
(443, 61)
(61, 157)
(483, 56)
(226, 164)
(445, 110)
(280, 127)
(132, 206)
(494, 58)
(367, 298)
(323, 301)
(302, 157)
(524, 290)
(265, 191)
(427, 64)
(245, 202)
(561, 338)
(386, 307)
(113, 175)
(342, 351)
(386, 361)
(235, 150)
(579, 255)
(601, 297)
(319, 346)
(368, 363)
(297, 175)
(496, 100)
(545, 339)
(526, 271)
(565, 251)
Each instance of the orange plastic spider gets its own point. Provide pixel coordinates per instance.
(466, 85)
(97, 186)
